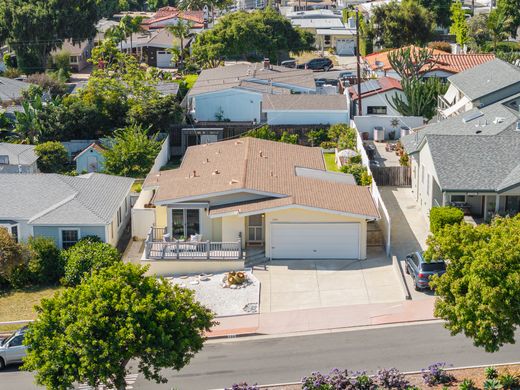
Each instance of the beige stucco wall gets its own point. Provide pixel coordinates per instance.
(183, 267)
(161, 216)
(231, 227)
(304, 215)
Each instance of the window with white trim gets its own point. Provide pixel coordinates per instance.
(69, 237)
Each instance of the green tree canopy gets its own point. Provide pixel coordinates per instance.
(497, 23)
(441, 10)
(459, 26)
(511, 11)
(11, 253)
(261, 33)
(46, 263)
(263, 132)
(89, 333)
(87, 256)
(399, 24)
(478, 31)
(479, 295)
(33, 28)
(52, 157)
(133, 152)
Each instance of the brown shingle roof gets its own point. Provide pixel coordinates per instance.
(260, 166)
(305, 102)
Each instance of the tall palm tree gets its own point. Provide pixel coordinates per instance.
(182, 31)
(116, 34)
(497, 24)
(129, 26)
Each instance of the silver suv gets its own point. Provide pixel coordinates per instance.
(12, 349)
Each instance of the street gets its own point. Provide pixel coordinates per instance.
(287, 359)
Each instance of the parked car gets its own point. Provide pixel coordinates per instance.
(421, 270)
(289, 63)
(317, 64)
(12, 349)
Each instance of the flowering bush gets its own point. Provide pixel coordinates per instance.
(392, 379)
(361, 381)
(316, 381)
(436, 374)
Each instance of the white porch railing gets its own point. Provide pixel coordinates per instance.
(156, 247)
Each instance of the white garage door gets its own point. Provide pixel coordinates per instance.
(164, 59)
(345, 47)
(315, 240)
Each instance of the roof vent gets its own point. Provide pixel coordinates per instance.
(206, 161)
(194, 174)
(216, 172)
(238, 142)
(498, 120)
(233, 181)
(261, 154)
(217, 152)
(478, 131)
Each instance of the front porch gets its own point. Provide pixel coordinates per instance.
(484, 207)
(158, 246)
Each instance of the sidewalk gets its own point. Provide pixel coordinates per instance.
(324, 318)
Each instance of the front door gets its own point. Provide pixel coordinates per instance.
(185, 223)
(255, 229)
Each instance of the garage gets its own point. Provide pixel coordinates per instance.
(164, 59)
(315, 240)
(345, 47)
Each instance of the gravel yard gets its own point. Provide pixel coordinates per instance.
(223, 301)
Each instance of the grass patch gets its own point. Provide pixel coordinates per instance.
(190, 79)
(19, 304)
(175, 162)
(137, 186)
(330, 162)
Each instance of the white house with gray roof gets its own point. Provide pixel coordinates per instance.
(471, 161)
(258, 93)
(65, 208)
(480, 86)
(17, 158)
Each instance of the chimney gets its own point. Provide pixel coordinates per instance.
(267, 64)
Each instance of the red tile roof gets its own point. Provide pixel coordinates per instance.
(452, 63)
(386, 84)
(166, 13)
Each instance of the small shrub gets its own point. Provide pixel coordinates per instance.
(348, 140)
(404, 160)
(359, 172)
(492, 384)
(443, 216)
(361, 381)
(48, 83)
(316, 381)
(9, 60)
(491, 373)
(263, 132)
(436, 375)
(365, 179)
(355, 159)
(289, 138)
(392, 379)
(90, 238)
(339, 379)
(467, 384)
(316, 137)
(52, 157)
(46, 263)
(86, 256)
(509, 381)
(328, 145)
(242, 386)
(440, 45)
(20, 276)
(12, 73)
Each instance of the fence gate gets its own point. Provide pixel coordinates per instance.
(392, 176)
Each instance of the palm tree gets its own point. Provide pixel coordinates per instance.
(129, 26)
(182, 31)
(497, 24)
(116, 34)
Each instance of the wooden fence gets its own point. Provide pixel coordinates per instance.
(392, 176)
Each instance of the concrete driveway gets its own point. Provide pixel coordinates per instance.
(304, 284)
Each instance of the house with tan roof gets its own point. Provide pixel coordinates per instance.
(231, 196)
(262, 93)
(445, 64)
(375, 96)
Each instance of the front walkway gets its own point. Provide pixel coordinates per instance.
(303, 284)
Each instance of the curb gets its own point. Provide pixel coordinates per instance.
(401, 276)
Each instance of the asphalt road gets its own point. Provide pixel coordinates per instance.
(287, 359)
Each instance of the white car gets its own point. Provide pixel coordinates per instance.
(12, 349)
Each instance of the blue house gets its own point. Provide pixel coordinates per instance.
(65, 208)
(91, 159)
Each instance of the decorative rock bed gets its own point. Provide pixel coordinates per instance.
(213, 291)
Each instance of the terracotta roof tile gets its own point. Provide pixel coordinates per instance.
(385, 84)
(261, 166)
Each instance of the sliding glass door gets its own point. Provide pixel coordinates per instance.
(185, 222)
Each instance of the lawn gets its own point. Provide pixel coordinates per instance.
(19, 304)
(330, 162)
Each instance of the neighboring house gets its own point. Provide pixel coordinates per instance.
(446, 64)
(11, 90)
(154, 47)
(65, 208)
(233, 195)
(17, 158)
(470, 161)
(250, 4)
(479, 87)
(91, 159)
(375, 96)
(236, 93)
(168, 16)
(305, 109)
(102, 27)
(328, 30)
(79, 53)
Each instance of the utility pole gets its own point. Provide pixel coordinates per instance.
(360, 107)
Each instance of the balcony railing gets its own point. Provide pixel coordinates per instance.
(157, 246)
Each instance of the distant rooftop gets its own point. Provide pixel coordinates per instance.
(11, 89)
(18, 154)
